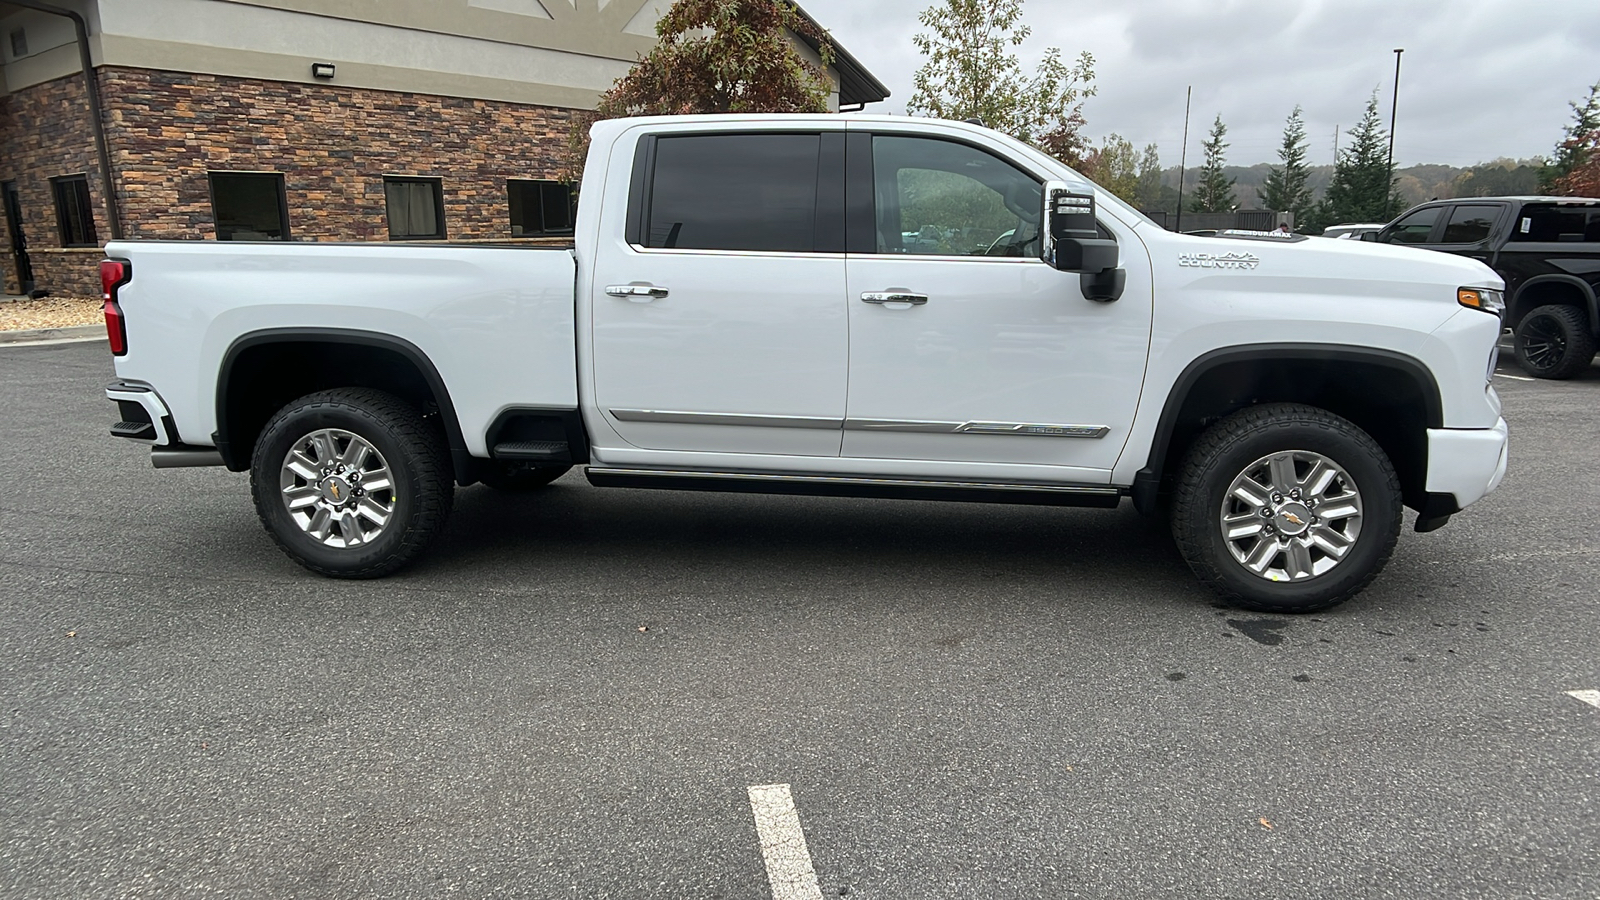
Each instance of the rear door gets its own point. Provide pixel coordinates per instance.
(718, 310)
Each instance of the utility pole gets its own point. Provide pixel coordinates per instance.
(1393, 106)
(1183, 157)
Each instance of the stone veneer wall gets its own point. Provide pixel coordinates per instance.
(332, 144)
(44, 132)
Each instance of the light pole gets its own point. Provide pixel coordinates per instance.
(1393, 106)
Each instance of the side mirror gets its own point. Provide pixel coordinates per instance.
(1370, 237)
(1071, 242)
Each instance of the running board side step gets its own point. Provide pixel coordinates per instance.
(1097, 496)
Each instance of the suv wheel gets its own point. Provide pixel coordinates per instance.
(351, 483)
(1554, 342)
(1286, 508)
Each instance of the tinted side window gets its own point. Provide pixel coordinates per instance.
(942, 198)
(1470, 224)
(1415, 228)
(1550, 224)
(735, 192)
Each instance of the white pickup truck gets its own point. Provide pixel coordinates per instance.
(856, 306)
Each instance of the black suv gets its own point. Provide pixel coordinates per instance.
(1548, 251)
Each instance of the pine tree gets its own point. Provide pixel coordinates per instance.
(1575, 149)
(1362, 189)
(1285, 189)
(1214, 193)
(970, 71)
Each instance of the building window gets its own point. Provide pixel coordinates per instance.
(19, 43)
(540, 207)
(74, 212)
(249, 206)
(416, 208)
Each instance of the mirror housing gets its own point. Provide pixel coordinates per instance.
(1071, 239)
(1070, 242)
(1370, 237)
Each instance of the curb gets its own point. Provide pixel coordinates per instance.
(36, 335)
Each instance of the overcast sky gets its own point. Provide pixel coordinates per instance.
(1479, 79)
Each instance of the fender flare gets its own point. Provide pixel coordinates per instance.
(1147, 481)
(460, 459)
(1583, 287)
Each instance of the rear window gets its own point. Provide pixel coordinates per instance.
(1549, 223)
(735, 192)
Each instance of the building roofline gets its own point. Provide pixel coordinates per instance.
(857, 86)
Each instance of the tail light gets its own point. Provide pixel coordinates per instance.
(114, 273)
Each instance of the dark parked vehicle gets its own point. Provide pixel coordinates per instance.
(1548, 251)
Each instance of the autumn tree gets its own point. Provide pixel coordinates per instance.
(1115, 167)
(1285, 189)
(1363, 188)
(1576, 149)
(1214, 193)
(717, 56)
(971, 71)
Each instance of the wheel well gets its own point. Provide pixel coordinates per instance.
(1550, 293)
(260, 376)
(1387, 400)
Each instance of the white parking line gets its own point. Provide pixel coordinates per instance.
(1590, 697)
(1514, 377)
(783, 844)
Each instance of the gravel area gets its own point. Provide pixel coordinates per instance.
(50, 312)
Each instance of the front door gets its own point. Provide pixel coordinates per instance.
(964, 345)
(720, 321)
(19, 242)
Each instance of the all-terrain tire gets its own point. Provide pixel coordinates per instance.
(1255, 440)
(413, 453)
(1554, 341)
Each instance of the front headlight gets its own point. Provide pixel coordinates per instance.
(1483, 299)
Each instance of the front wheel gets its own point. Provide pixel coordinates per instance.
(351, 483)
(1286, 508)
(1554, 342)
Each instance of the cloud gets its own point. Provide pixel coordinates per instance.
(1479, 80)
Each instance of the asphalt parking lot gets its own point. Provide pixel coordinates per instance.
(574, 694)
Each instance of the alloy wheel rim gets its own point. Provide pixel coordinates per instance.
(337, 488)
(1291, 516)
(1543, 344)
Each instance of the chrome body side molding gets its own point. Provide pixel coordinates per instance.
(694, 418)
(1022, 429)
(1025, 429)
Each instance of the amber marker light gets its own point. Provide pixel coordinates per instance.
(1481, 299)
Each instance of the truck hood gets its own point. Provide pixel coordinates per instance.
(1316, 257)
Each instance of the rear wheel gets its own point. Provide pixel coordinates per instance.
(1286, 508)
(351, 483)
(1554, 342)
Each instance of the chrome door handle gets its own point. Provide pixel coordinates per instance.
(894, 297)
(639, 293)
